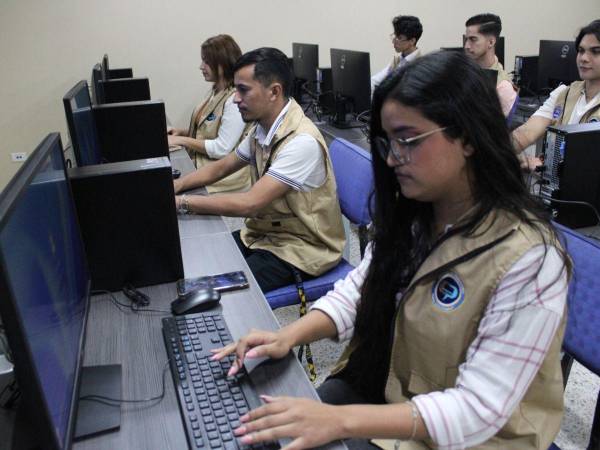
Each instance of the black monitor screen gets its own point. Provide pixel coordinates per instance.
(45, 284)
(97, 94)
(306, 61)
(82, 126)
(556, 64)
(105, 67)
(351, 77)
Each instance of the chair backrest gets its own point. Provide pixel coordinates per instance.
(354, 178)
(582, 335)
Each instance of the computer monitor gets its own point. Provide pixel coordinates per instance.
(97, 96)
(351, 79)
(82, 126)
(105, 68)
(125, 90)
(45, 287)
(556, 64)
(306, 61)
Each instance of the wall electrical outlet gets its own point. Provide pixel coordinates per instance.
(18, 157)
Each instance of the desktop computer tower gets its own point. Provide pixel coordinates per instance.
(128, 222)
(121, 90)
(572, 173)
(132, 130)
(526, 74)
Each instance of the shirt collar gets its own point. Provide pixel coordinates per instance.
(411, 56)
(264, 139)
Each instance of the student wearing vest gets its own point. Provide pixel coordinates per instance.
(216, 126)
(407, 32)
(576, 103)
(456, 314)
(294, 223)
(483, 30)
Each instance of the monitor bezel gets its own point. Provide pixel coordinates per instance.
(34, 399)
(71, 125)
(367, 99)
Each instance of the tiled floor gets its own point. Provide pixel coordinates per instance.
(580, 396)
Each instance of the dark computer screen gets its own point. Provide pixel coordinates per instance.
(351, 77)
(125, 90)
(82, 126)
(556, 64)
(45, 284)
(97, 95)
(105, 67)
(306, 61)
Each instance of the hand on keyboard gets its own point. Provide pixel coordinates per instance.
(256, 344)
(308, 422)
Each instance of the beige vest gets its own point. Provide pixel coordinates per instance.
(502, 74)
(302, 228)
(204, 124)
(431, 342)
(567, 100)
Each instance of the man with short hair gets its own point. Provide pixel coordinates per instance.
(482, 33)
(407, 32)
(577, 103)
(293, 224)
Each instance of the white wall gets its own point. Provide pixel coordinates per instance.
(46, 46)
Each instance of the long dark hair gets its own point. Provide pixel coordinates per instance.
(450, 90)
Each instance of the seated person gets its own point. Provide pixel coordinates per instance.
(216, 126)
(483, 30)
(407, 32)
(577, 103)
(456, 314)
(294, 223)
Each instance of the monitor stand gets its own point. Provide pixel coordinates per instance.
(94, 417)
(340, 117)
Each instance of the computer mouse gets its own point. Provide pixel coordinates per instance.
(176, 173)
(195, 301)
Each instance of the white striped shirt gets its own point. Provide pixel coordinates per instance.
(299, 164)
(512, 340)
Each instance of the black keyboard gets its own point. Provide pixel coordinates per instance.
(211, 403)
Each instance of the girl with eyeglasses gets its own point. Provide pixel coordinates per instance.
(455, 316)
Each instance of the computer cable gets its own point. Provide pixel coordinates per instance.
(133, 307)
(573, 202)
(112, 401)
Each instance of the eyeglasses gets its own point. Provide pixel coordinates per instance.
(385, 146)
(393, 37)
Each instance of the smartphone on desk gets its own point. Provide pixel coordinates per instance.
(221, 282)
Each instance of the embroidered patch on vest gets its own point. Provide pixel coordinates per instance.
(557, 112)
(448, 292)
(211, 117)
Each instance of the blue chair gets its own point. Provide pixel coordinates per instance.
(582, 334)
(354, 178)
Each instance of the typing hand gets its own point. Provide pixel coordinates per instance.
(175, 141)
(308, 422)
(255, 344)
